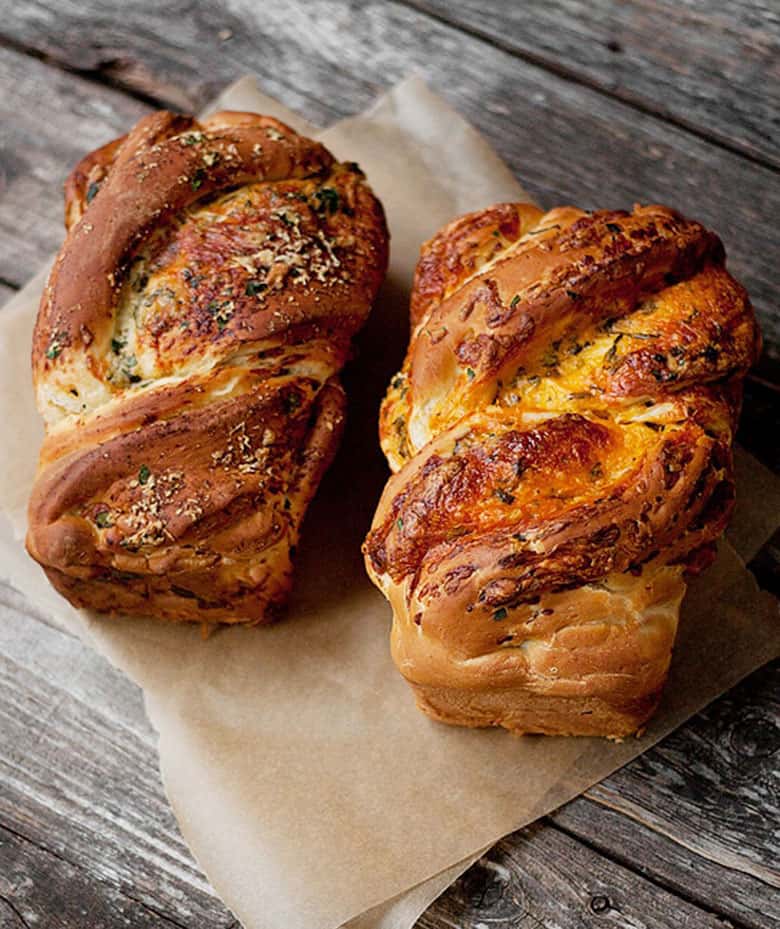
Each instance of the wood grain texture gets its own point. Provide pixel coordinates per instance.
(48, 119)
(698, 813)
(80, 783)
(693, 61)
(327, 58)
(680, 837)
(544, 879)
(36, 884)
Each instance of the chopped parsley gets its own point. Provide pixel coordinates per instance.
(144, 474)
(253, 288)
(470, 373)
(221, 311)
(190, 277)
(500, 614)
(193, 138)
(515, 300)
(197, 178)
(327, 200)
(93, 188)
(117, 345)
(103, 519)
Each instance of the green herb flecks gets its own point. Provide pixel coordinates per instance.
(327, 200)
(500, 614)
(222, 311)
(190, 278)
(192, 138)
(103, 519)
(144, 474)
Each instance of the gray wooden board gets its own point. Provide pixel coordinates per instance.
(693, 61)
(568, 142)
(680, 836)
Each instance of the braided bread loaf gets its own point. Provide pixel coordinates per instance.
(561, 440)
(186, 360)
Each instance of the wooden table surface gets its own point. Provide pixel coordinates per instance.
(600, 104)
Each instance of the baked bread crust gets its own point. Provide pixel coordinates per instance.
(561, 435)
(186, 358)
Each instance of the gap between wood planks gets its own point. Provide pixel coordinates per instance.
(623, 862)
(104, 75)
(576, 76)
(97, 76)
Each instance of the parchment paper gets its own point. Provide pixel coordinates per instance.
(310, 789)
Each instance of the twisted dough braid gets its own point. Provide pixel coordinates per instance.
(561, 438)
(186, 360)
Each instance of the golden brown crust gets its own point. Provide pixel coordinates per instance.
(561, 428)
(186, 358)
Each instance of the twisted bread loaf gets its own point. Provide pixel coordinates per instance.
(186, 360)
(561, 435)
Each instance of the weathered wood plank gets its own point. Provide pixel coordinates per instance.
(543, 879)
(112, 816)
(37, 888)
(697, 813)
(710, 66)
(79, 779)
(41, 138)
(566, 141)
